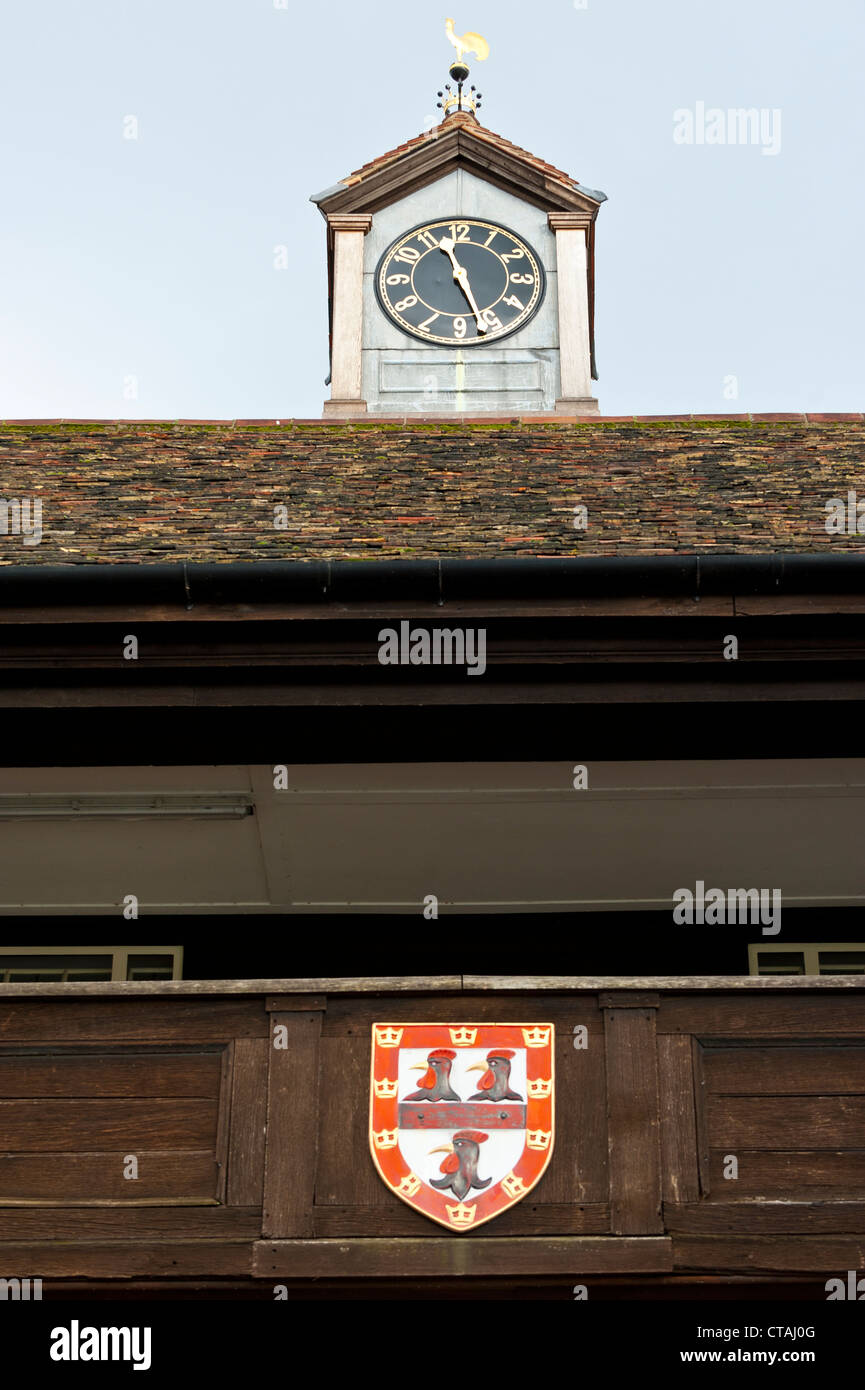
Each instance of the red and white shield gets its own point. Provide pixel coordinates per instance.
(461, 1115)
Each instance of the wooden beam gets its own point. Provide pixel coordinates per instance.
(574, 690)
(769, 1254)
(292, 1124)
(166, 1177)
(459, 1256)
(131, 1224)
(758, 1218)
(71, 1014)
(628, 999)
(248, 1123)
(681, 1179)
(295, 1003)
(143, 989)
(634, 1121)
(803, 1175)
(724, 990)
(552, 1219)
(120, 1259)
(782, 1015)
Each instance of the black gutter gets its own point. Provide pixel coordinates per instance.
(441, 580)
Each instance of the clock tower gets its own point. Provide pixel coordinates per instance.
(461, 272)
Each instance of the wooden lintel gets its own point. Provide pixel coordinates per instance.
(296, 1003)
(628, 999)
(791, 1254)
(461, 1256)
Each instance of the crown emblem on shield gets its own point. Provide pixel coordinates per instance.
(461, 1215)
(385, 1139)
(538, 1138)
(385, 1090)
(461, 1115)
(540, 1089)
(463, 1037)
(514, 1186)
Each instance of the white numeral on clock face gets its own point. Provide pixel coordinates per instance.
(425, 325)
(460, 328)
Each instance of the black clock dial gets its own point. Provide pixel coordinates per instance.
(460, 281)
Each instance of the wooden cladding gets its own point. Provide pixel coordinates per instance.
(792, 1116)
(99, 1073)
(789, 1070)
(248, 1119)
(75, 1124)
(80, 1126)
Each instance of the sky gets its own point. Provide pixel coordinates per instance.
(156, 154)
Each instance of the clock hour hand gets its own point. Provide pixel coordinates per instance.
(461, 276)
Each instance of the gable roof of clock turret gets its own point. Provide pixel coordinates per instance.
(459, 142)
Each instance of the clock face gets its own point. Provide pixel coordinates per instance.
(461, 282)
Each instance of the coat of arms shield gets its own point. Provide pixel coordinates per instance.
(461, 1115)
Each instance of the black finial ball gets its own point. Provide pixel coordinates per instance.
(459, 72)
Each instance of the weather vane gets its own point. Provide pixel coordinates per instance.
(470, 101)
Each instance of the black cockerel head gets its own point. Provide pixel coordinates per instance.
(498, 1067)
(438, 1067)
(463, 1152)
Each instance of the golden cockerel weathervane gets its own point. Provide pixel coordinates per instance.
(470, 42)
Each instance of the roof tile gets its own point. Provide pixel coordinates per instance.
(141, 491)
(466, 122)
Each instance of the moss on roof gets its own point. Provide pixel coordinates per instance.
(421, 488)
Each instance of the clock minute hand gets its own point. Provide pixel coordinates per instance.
(461, 276)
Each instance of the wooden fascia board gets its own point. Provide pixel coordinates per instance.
(457, 149)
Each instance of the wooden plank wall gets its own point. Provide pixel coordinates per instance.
(92, 1091)
(766, 1168)
(248, 1119)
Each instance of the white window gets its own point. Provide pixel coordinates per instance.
(83, 964)
(797, 958)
